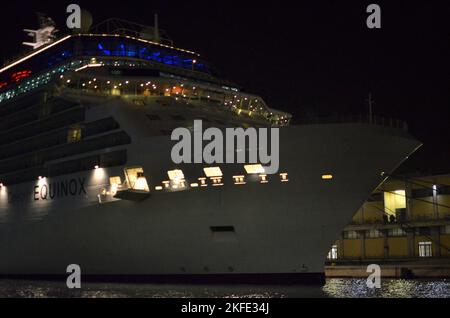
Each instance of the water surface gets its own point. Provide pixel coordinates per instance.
(335, 288)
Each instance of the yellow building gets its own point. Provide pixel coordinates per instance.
(405, 224)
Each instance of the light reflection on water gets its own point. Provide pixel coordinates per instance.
(333, 288)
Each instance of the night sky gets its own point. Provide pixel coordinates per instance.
(310, 58)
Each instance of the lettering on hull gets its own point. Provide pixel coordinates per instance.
(60, 189)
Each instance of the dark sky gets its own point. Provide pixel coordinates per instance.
(306, 57)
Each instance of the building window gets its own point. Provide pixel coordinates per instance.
(351, 235)
(445, 229)
(333, 253)
(373, 234)
(423, 231)
(396, 232)
(425, 249)
(394, 201)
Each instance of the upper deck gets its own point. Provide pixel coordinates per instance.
(79, 46)
(116, 58)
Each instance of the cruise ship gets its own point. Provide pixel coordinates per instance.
(86, 175)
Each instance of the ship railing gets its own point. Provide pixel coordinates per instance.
(356, 119)
(128, 28)
(413, 219)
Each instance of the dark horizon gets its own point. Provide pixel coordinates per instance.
(309, 59)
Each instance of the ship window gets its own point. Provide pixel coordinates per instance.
(74, 134)
(253, 169)
(202, 182)
(115, 180)
(153, 117)
(136, 179)
(239, 180)
(394, 201)
(115, 91)
(217, 181)
(213, 172)
(425, 249)
(284, 177)
(175, 174)
(327, 177)
(263, 178)
(178, 118)
(333, 253)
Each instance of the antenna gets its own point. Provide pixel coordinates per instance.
(44, 35)
(156, 30)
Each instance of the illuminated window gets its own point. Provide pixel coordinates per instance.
(194, 185)
(327, 177)
(74, 134)
(393, 201)
(284, 177)
(115, 180)
(254, 169)
(166, 184)
(158, 188)
(176, 178)
(115, 91)
(333, 253)
(175, 175)
(136, 179)
(425, 249)
(263, 178)
(239, 179)
(141, 182)
(213, 172)
(216, 181)
(202, 182)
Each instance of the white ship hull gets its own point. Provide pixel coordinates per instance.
(279, 227)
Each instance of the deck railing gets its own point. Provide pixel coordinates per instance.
(363, 119)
